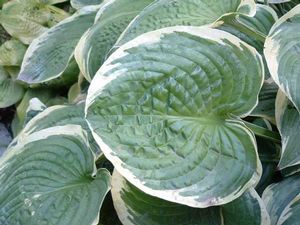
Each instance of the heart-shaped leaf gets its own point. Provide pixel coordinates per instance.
(283, 55)
(288, 122)
(161, 110)
(10, 91)
(134, 207)
(282, 201)
(51, 178)
(167, 13)
(49, 55)
(112, 19)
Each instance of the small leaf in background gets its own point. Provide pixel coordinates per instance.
(159, 109)
(288, 122)
(49, 55)
(10, 91)
(51, 178)
(283, 55)
(282, 201)
(135, 208)
(5, 139)
(28, 19)
(167, 13)
(12, 53)
(111, 20)
(240, 25)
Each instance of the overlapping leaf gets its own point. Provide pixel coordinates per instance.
(111, 21)
(135, 208)
(282, 201)
(160, 108)
(59, 115)
(50, 54)
(283, 55)
(77, 4)
(168, 13)
(288, 122)
(51, 178)
(26, 20)
(12, 53)
(10, 91)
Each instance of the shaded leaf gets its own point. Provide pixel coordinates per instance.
(5, 139)
(10, 91)
(12, 53)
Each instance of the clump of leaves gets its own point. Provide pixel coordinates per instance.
(185, 111)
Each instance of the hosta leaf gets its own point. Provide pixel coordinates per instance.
(59, 115)
(269, 155)
(160, 114)
(5, 139)
(95, 44)
(12, 53)
(290, 215)
(168, 13)
(77, 4)
(249, 209)
(135, 207)
(49, 55)
(281, 198)
(282, 54)
(47, 96)
(266, 104)
(26, 20)
(288, 122)
(35, 107)
(10, 91)
(51, 178)
(261, 22)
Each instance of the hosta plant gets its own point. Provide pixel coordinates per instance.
(149, 112)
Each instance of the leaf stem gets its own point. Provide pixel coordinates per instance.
(263, 132)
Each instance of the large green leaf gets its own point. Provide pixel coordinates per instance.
(77, 4)
(160, 108)
(12, 53)
(282, 201)
(166, 13)
(49, 55)
(59, 115)
(5, 139)
(26, 20)
(134, 207)
(283, 56)
(288, 122)
(51, 178)
(111, 21)
(10, 91)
